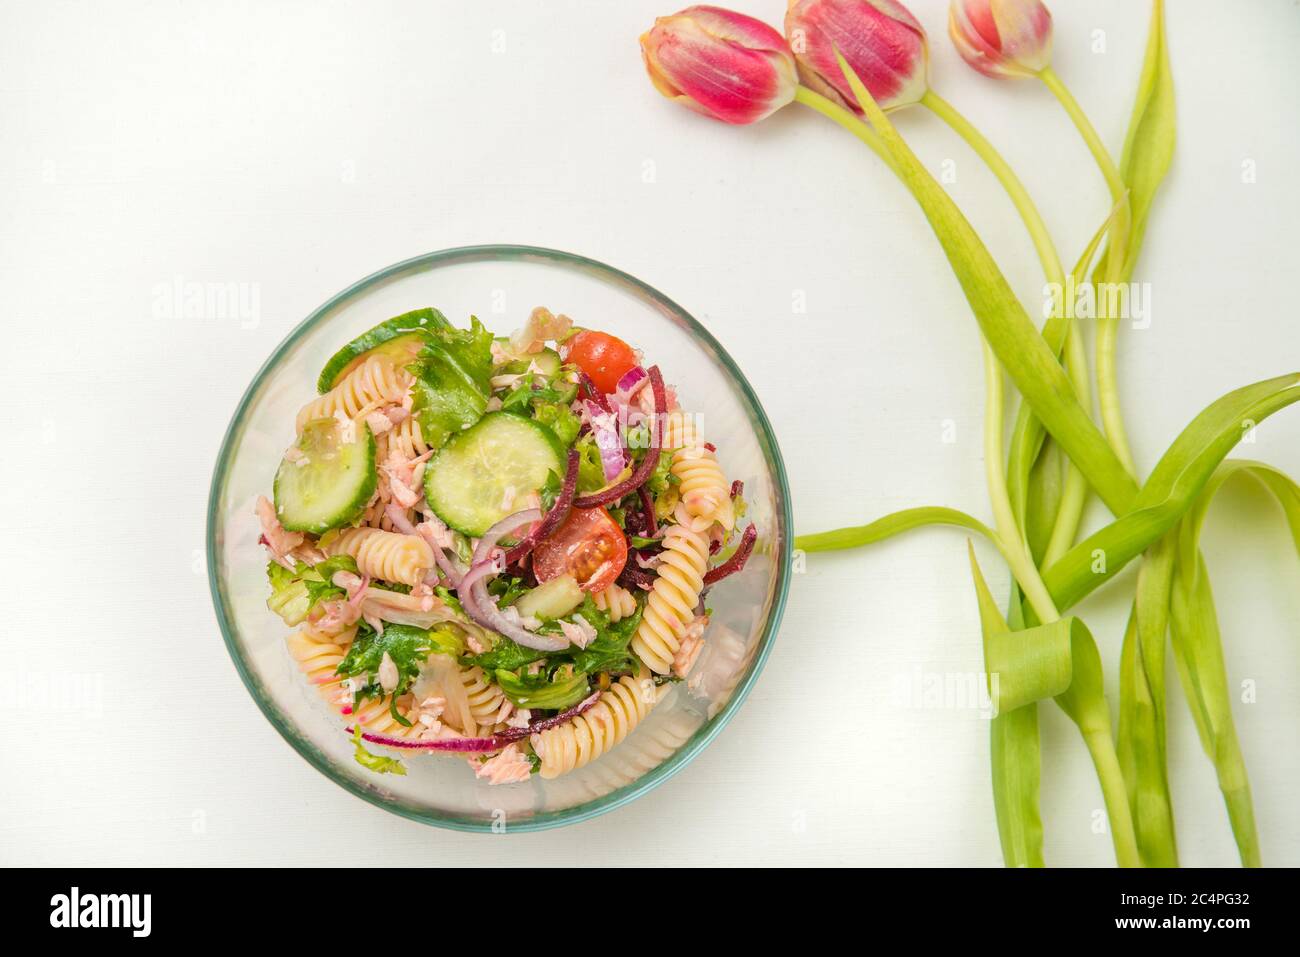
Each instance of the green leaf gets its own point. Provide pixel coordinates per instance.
(1057, 660)
(378, 763)
(1141, 742)
(1027, 358)
(1173, 487)
(892, 524)
(1198, 653)
(608, 651)
(1198, 648)
(1027, 436)
(1149, 143)
(1014, 753)
(409, 647)
(1042, 499)
(549, 693)
(452, 381)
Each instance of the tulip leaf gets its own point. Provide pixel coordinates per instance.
(1027, 358)
(890, 525)
(1198, 649)
(1014, 754)
(1149, 143)
(1172, 489)
(1141, 744)
(1198, 654)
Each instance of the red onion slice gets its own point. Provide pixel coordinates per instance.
(482, 607)
(634, 379)
(604, 426)
(501, 529)
(648, 462)
(737, 560)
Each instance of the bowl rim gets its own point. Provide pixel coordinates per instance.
(617, 798)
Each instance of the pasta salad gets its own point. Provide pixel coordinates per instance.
(496, 547)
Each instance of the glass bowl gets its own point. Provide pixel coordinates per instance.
(501, 284)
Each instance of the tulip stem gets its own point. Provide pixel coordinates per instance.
(1033, 220)
(1010, 534)
(1107, 323)
(1071, 509)
(847, 119)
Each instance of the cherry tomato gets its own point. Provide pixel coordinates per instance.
(589, 546)
(603, 357)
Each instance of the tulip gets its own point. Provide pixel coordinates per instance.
(720, 63)
(1002, 38)
(880, 40)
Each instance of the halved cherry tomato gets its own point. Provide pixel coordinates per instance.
(589, 546)
(603, 357)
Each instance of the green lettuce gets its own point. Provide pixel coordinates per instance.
(452, 381)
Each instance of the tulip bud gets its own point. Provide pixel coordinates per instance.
(723, 64)
(879, 39)
(1002, 38)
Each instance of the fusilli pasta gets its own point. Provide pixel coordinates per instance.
(615, 601)
(406, 438)
(602, 726)
(704, 488)
(388, 556)
(377, 381)
(487, 702)
(674, 595)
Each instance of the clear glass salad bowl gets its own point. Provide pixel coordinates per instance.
(501, 284)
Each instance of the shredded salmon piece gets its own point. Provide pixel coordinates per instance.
(274, 536)
(511, 766)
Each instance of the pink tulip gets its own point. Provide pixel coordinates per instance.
(723, 64)
(879, 39)
(1002, 38)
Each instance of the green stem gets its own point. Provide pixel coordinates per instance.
(847, 119)
(1033, 220)
(1013, 542)
(1075, 494)
(1114, 792)
(1076, 487)
(1107, 324)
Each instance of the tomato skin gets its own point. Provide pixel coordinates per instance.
(604, 358)
(589, 546)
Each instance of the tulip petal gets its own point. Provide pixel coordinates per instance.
(880, 39)
(721, 64)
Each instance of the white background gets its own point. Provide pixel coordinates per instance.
(298, 147)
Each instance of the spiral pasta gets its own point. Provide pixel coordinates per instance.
(674, 595)
(615, 601)
(406, 438)
(388, 556)
(602, 726)
(487, 702)
(377, 381)
(704, 488)
(319, 654)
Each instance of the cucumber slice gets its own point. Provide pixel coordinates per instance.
(330, 482)
(551, 599)
(402, 337)
(469, 482)
(547, 361)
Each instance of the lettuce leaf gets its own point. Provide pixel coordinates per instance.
(550, 693)
(452, 381)
(409, 647)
